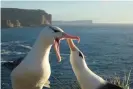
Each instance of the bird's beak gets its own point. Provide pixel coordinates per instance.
(71, 45)
(57, 42)
(67, 36)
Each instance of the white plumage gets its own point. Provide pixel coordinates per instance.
(86, 78)
(34, 71)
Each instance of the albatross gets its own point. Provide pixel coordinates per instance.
(86, 78)
(34, 71)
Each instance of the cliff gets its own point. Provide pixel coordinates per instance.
(14, 17)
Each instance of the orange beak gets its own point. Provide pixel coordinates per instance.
(71, 44)
(57, 42)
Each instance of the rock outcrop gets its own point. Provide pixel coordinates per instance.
(14, 17)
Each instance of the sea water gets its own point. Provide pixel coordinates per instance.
(108, 51)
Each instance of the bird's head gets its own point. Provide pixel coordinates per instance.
(53, 35)
(76, 54)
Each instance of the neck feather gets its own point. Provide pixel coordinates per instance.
(40, 50)
(85, 76)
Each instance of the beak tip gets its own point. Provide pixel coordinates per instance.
(78, 38)
(59, 61)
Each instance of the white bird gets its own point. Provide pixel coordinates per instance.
(34, 71)
(86, 78)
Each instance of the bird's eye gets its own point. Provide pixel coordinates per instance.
(80, 54)
(54, 29)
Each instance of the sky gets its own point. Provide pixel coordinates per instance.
(98, 11)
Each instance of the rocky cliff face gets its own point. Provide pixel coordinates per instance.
(13, 17)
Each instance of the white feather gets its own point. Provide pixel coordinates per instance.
(34, 71)
(86, 78)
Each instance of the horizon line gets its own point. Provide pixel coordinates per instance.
(95, 22)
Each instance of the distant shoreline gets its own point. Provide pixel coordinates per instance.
(98, 25)
(95, 25)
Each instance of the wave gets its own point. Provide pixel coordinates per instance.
(130, 44)
(7, 52)
(16, 43)
(4, 43)
(6, 61)
(25, 46)
(12, 42)
(65, 54)
(7, 48)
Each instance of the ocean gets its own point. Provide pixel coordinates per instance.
(108, 51)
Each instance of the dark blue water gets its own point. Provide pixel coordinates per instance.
(108, 51)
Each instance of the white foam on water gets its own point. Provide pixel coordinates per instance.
(12, 42)
(15, 42)
(25, 46)
(7, 52)
(6, 61)
(4, 43)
